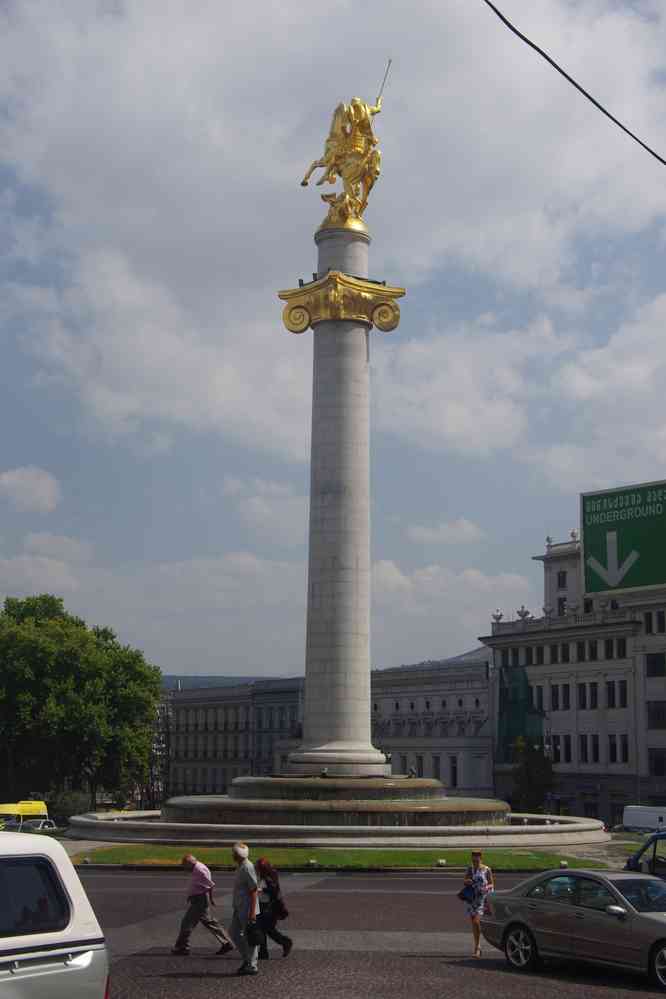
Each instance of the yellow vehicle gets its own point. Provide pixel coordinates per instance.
(13, 815)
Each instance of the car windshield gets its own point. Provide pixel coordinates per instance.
(645, 894)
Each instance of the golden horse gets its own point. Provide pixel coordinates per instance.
(351, 154)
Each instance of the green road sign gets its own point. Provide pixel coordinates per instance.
(623, 538)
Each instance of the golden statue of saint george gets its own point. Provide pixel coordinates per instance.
(351, 154)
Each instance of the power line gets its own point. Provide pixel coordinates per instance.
(571, 80)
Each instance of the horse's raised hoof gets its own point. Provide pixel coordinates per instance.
(304, 183)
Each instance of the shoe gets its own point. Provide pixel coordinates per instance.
(247, 969)
(225, 948)
(286, 950)
(183, 951)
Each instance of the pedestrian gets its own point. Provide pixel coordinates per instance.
(200, 898)
(272, 909)
(480, 879)
(244, 929)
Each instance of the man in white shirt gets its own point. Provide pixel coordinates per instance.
(245, 908)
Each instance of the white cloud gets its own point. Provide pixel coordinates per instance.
(433, 611)
(59, 547)
(30, 490)
(173, 234)
(27, 574)
(455, 532)
(271, 509)
(465, 390)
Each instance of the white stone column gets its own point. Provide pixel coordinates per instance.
(336, 723)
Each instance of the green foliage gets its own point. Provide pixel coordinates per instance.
(532, 776)
(63, 804)
(75, 704)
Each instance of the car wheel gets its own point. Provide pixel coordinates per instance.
(658, 965)
(520, 948)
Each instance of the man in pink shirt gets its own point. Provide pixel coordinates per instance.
(200, 898)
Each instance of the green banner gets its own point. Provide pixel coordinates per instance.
(623, 538)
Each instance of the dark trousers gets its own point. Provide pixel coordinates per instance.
(198, 911)
(267, 920)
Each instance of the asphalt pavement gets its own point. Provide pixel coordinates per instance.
(387, 936)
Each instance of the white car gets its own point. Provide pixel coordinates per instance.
(51, 945)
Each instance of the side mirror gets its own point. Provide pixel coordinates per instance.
(616, 910)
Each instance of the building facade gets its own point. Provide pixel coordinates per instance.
(432, 718)
(587, 680)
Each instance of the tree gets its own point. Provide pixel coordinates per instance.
(532, 776)
(75, 704)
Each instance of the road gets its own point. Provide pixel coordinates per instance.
(387, 936)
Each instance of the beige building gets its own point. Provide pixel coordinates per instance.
(432, 718)
(588, 681)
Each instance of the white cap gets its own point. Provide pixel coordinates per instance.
(241, 850)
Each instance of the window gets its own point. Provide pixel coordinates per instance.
(595, 748)
(375, 707)
(566, 697)
(614, 605)
(588, 606)
(529, 656)
(561, 606)
(419, 766)
(593, 895)
(612, 748)
(580, 652)
(655, 663)
(609, 649)
(561, 888)
(624, 748)
(562, 579)
(567, 749)
(539, 700)
(656, 711)
(444, 703)
(594, 695)
(453, 766)
(555, 698)
(582, 748)
(515, 657)
(477, 703)
(661, 622)
(460, 703)
(556, 749)
(622, 693)
(427, 704)
(564, 652)
(31, 899)
(436, 767)
(411, 705)
(622, 648)
(610, 694)
(647, 619)
(403, 764)
(554, 653)
(657, 762)
(582, 696)
(505, 657)
(539, 655)
(396, 706)
(592, 651)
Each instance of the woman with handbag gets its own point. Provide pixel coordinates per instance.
(272, 908)
(479, 881)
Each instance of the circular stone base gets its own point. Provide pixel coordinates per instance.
(336, 788)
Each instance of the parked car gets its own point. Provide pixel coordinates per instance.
(650, 858)
(644, 817)
(615, 919)
(51, 944)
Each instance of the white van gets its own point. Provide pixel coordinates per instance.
(51, 945)
(640, 817)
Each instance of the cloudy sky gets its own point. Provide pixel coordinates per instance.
(155, 413)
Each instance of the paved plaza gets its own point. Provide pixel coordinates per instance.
(389, 935)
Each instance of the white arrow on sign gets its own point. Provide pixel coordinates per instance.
(612, 573)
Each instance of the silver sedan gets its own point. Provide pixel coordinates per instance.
(614, 919)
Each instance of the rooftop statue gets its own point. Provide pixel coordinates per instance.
(351, 154)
